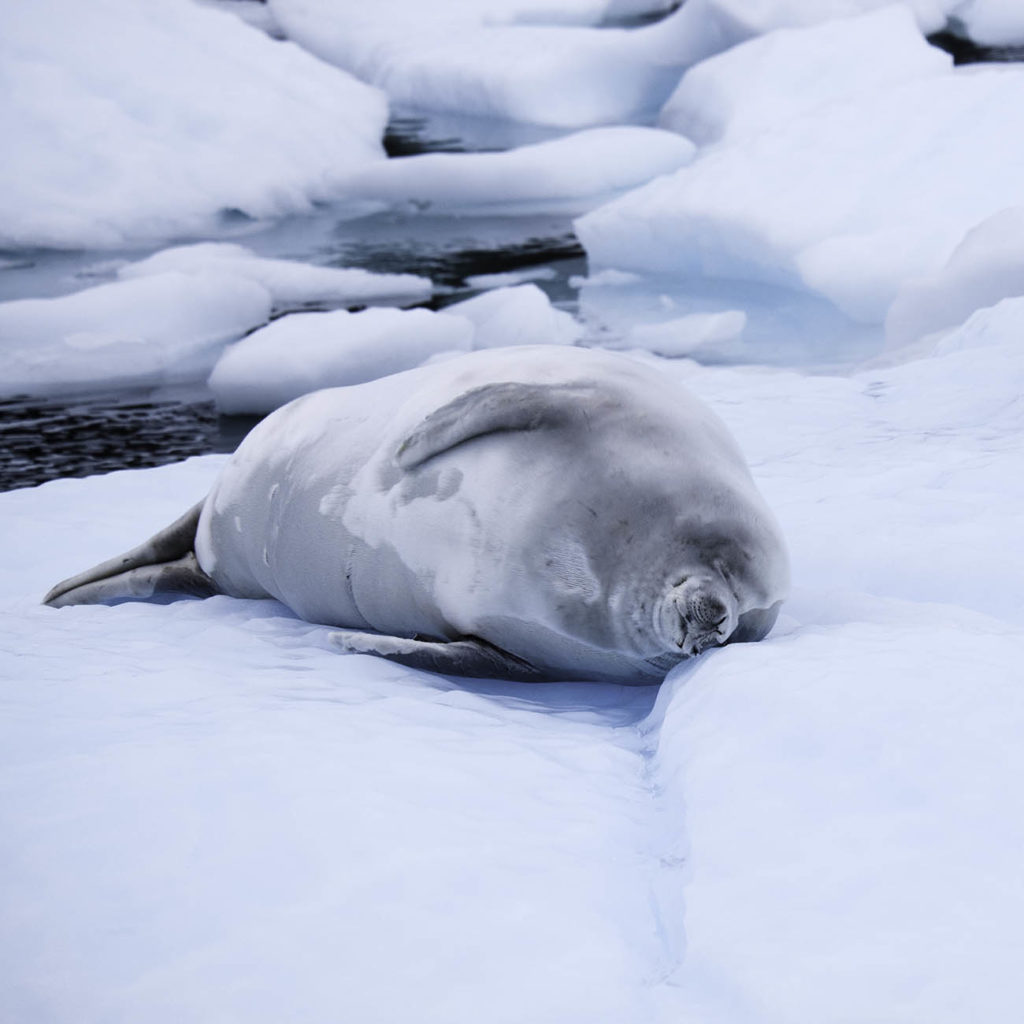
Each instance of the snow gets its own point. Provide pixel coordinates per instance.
(127, 129)
(521, 315)
(533, 62)
(850, 200)
(208, 813)
(796, 71)
(306, 351)
(687, 335)
(991, 22)
(290, 283)
(571, 174)
(161, 328)
(864, 766)
(742, 19)
(988, 265)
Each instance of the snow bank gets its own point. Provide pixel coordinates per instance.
(209, 815)
(166, 327)
(568, 175)
(306, 351)
(988, 265)
(797, 70)
(523, 61)
(289, 282)
(834, 805)
(846, 202)
(521, 315)
(144, 121)
(850, 819)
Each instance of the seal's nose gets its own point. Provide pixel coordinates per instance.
(706, 614)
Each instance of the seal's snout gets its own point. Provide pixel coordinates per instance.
(701, 614)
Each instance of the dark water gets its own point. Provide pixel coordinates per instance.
(46, 438)
(963, 51)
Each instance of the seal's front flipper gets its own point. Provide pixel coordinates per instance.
(165, 564)
(466, 657)
(495, 408)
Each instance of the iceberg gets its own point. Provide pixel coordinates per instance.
(122, 126)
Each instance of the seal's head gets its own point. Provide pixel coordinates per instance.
(697, 613)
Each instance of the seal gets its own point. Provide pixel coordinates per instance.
(530, 513)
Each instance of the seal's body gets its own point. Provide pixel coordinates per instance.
(536, 512)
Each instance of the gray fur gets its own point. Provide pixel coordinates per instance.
(164, 564)
(528, 513)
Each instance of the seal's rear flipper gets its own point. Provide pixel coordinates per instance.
(165, 564)
(466, 657)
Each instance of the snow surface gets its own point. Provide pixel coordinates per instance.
(206, 813)
(849, 201)
(569, 175)
(127, 128)
(161, 328)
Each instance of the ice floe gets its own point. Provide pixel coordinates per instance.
(797, 70)
(290, 283)
(528, 62)
(520, 315)
(568, 175)
(846, 202)
(306, 351)
(988, 265)
(160, 328)
(121, 122)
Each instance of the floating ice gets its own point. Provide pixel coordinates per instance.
(166, 327)
(289, 282)
(523, 61)
(516, 316)
(847, 201)
(687, 335)
(991, 22)
(797, 70)
(306, 351)
(568, 175)
(127, 121)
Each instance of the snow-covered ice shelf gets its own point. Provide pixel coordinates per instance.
(207, 812)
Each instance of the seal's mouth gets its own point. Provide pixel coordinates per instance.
(699, 613)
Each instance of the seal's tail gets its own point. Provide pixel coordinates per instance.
(165, 564)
